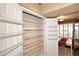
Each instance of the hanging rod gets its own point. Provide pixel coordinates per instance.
(32, 15)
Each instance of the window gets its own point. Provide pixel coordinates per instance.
(61, 30)
(70, 30)
(66, 30)
(76, 30)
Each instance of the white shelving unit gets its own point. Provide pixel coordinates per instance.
(33, 37)
(11, 29)
(16, 26)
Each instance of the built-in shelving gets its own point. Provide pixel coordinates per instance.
(10, 49)
(8, 35)
(6, 20)
(33, 34)
(11, 29)
(19, 29)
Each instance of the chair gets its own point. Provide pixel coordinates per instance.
(62, 42)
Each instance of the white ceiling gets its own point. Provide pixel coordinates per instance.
(32, 6)
(52, 9)
(64, 10)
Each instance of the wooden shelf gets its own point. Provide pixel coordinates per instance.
(10, 49)
(6, 20)
(33, 37)
(30, 22)
(33, 30)
(8, 35)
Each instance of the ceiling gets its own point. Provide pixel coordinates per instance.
(32, 6)
(54, 9)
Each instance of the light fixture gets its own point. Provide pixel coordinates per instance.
(40, 4)
(61, 18)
